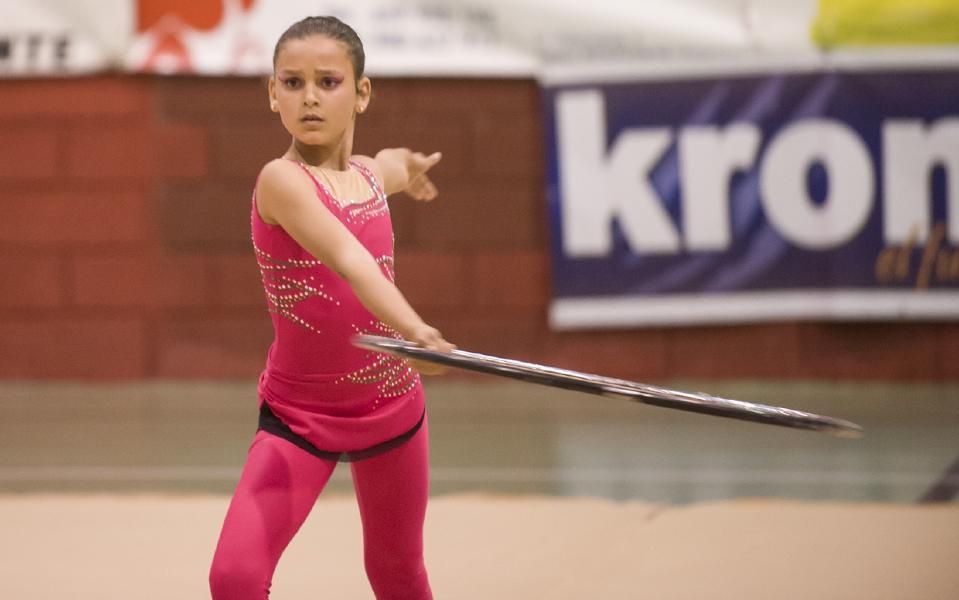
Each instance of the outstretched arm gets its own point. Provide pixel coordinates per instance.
(285, 196)
(402, 170)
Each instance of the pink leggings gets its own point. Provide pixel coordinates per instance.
(278, 487)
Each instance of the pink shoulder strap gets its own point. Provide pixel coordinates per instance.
(370, 178)
(321, 191)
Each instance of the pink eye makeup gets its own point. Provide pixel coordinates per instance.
(330, 81)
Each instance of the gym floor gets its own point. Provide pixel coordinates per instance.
(496, 436)
(118, 491)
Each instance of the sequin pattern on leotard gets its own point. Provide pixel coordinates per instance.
(284, 290)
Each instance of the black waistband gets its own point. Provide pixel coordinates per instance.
(270, 423)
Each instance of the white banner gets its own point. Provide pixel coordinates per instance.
(63, 37)
(477, 37)
(402, 37)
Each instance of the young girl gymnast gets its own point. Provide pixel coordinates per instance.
(324, 244)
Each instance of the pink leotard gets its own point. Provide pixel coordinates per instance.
(338, 397)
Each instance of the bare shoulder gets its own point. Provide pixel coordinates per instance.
(279, 173)
(370, 163)
(281, 181)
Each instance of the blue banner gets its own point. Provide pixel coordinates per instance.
(803, 194)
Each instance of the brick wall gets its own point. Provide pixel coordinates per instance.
(124, 241)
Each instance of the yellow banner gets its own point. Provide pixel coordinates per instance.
(886, 23)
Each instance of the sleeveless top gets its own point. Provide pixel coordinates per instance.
(336, 396)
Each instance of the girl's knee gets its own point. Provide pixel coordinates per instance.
(396, 577)
(238, 580)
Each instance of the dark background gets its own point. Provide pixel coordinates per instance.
(125, 252)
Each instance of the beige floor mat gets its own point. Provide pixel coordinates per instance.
(81, 547)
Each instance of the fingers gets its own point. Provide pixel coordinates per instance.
(420, 163)
(422, 189)
(426, 368)
(431, 339)
(432, 159)
(438, 344)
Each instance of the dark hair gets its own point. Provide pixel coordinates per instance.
(332, 28)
